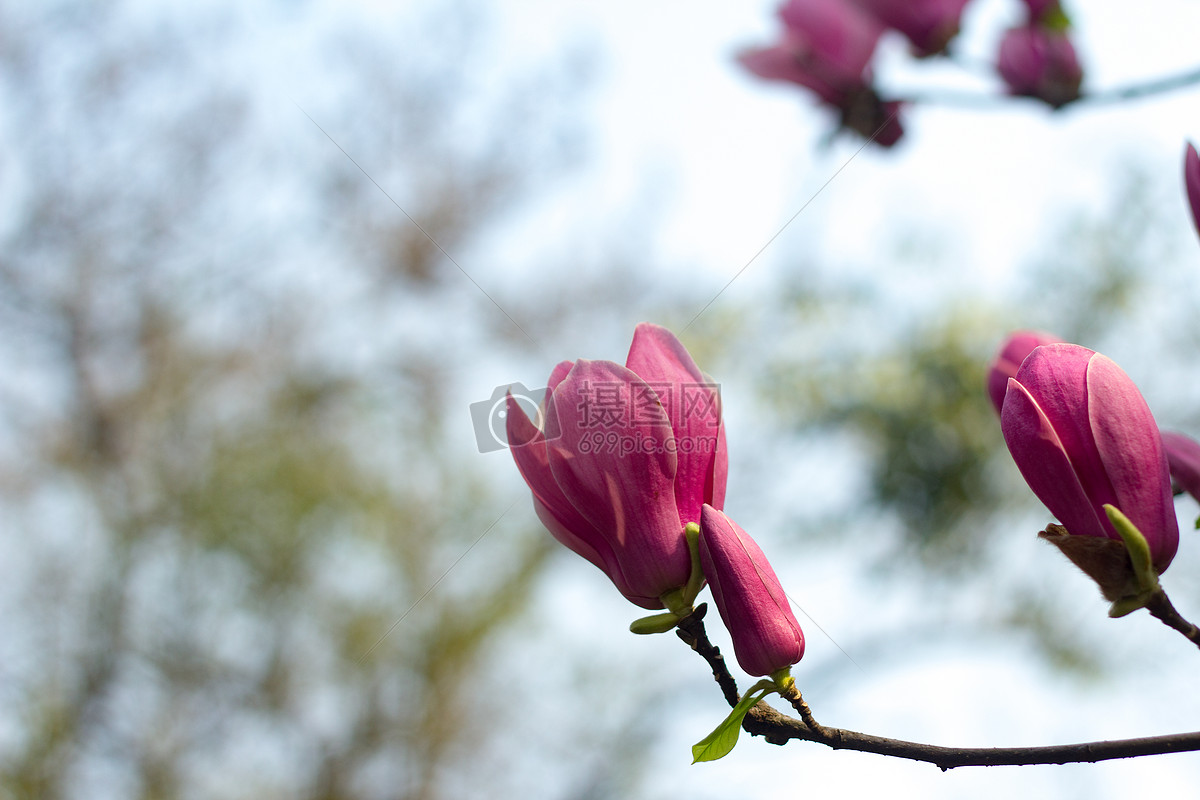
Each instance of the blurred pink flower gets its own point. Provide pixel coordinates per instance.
(827, 48)
(1191, 179)
(1008, 360)
(1183, 457)
(928, 24)
(1045, 11)
(1039, 62)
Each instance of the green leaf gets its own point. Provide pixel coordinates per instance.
(1139, 549)
(718, 743)
(655, 623)
(695, 583)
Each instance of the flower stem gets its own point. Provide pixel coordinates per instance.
(793, 697)
(1160, 607)
(691, 631)
(776, 728)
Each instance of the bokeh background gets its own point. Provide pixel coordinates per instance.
(257, 262)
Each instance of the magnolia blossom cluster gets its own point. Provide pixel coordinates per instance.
(1085, 441)
(827, 47)
(1084, 438)
(627, 509)
(629, 465)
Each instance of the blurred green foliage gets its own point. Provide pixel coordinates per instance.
(232, 483)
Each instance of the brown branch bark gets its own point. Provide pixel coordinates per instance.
(777, 728)
(691, 630)
(1161, 608)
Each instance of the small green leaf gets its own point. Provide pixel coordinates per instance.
(1056, 20)
(1127, 605)
(1139, 549)
(695, 583)
(718, 743)
(655, 623)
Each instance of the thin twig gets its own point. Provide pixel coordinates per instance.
(1120, 94)
(691, 630)
(1139, 90)
(776, 728)
(1161, 608)
(806, 715)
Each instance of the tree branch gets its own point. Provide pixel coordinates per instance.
(776, 728)
(1119, 94)
(1138, 90)
(691, 630)
(1161, 608)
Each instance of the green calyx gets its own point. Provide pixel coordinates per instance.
(1139, 557)
(655, 623)
(1056, 20)
(695, 583)
(677, 602)
(783, 680)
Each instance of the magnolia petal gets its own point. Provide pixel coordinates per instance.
(1008, 360)
(1183, 457)
(1191, 180)
(612, 462)
(1038, 62)
(1056, 376)
(928, 24)
(693, 404)
(558, 373)
(606, 562)
(1131, 451)
(528, 447)
(749, 597)
(839, 38)
(780, 63)
(714, 490)
(1042, 459)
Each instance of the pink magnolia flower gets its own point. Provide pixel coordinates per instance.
(629, 455)
(1082, 436)
(928, 24)
(1191, 179)
(1008, 361)
(753, 605)
(1039, 62)
(1045, 11)
(827, 48)
(1183, 458)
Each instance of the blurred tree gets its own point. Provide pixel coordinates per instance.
(227, 494)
